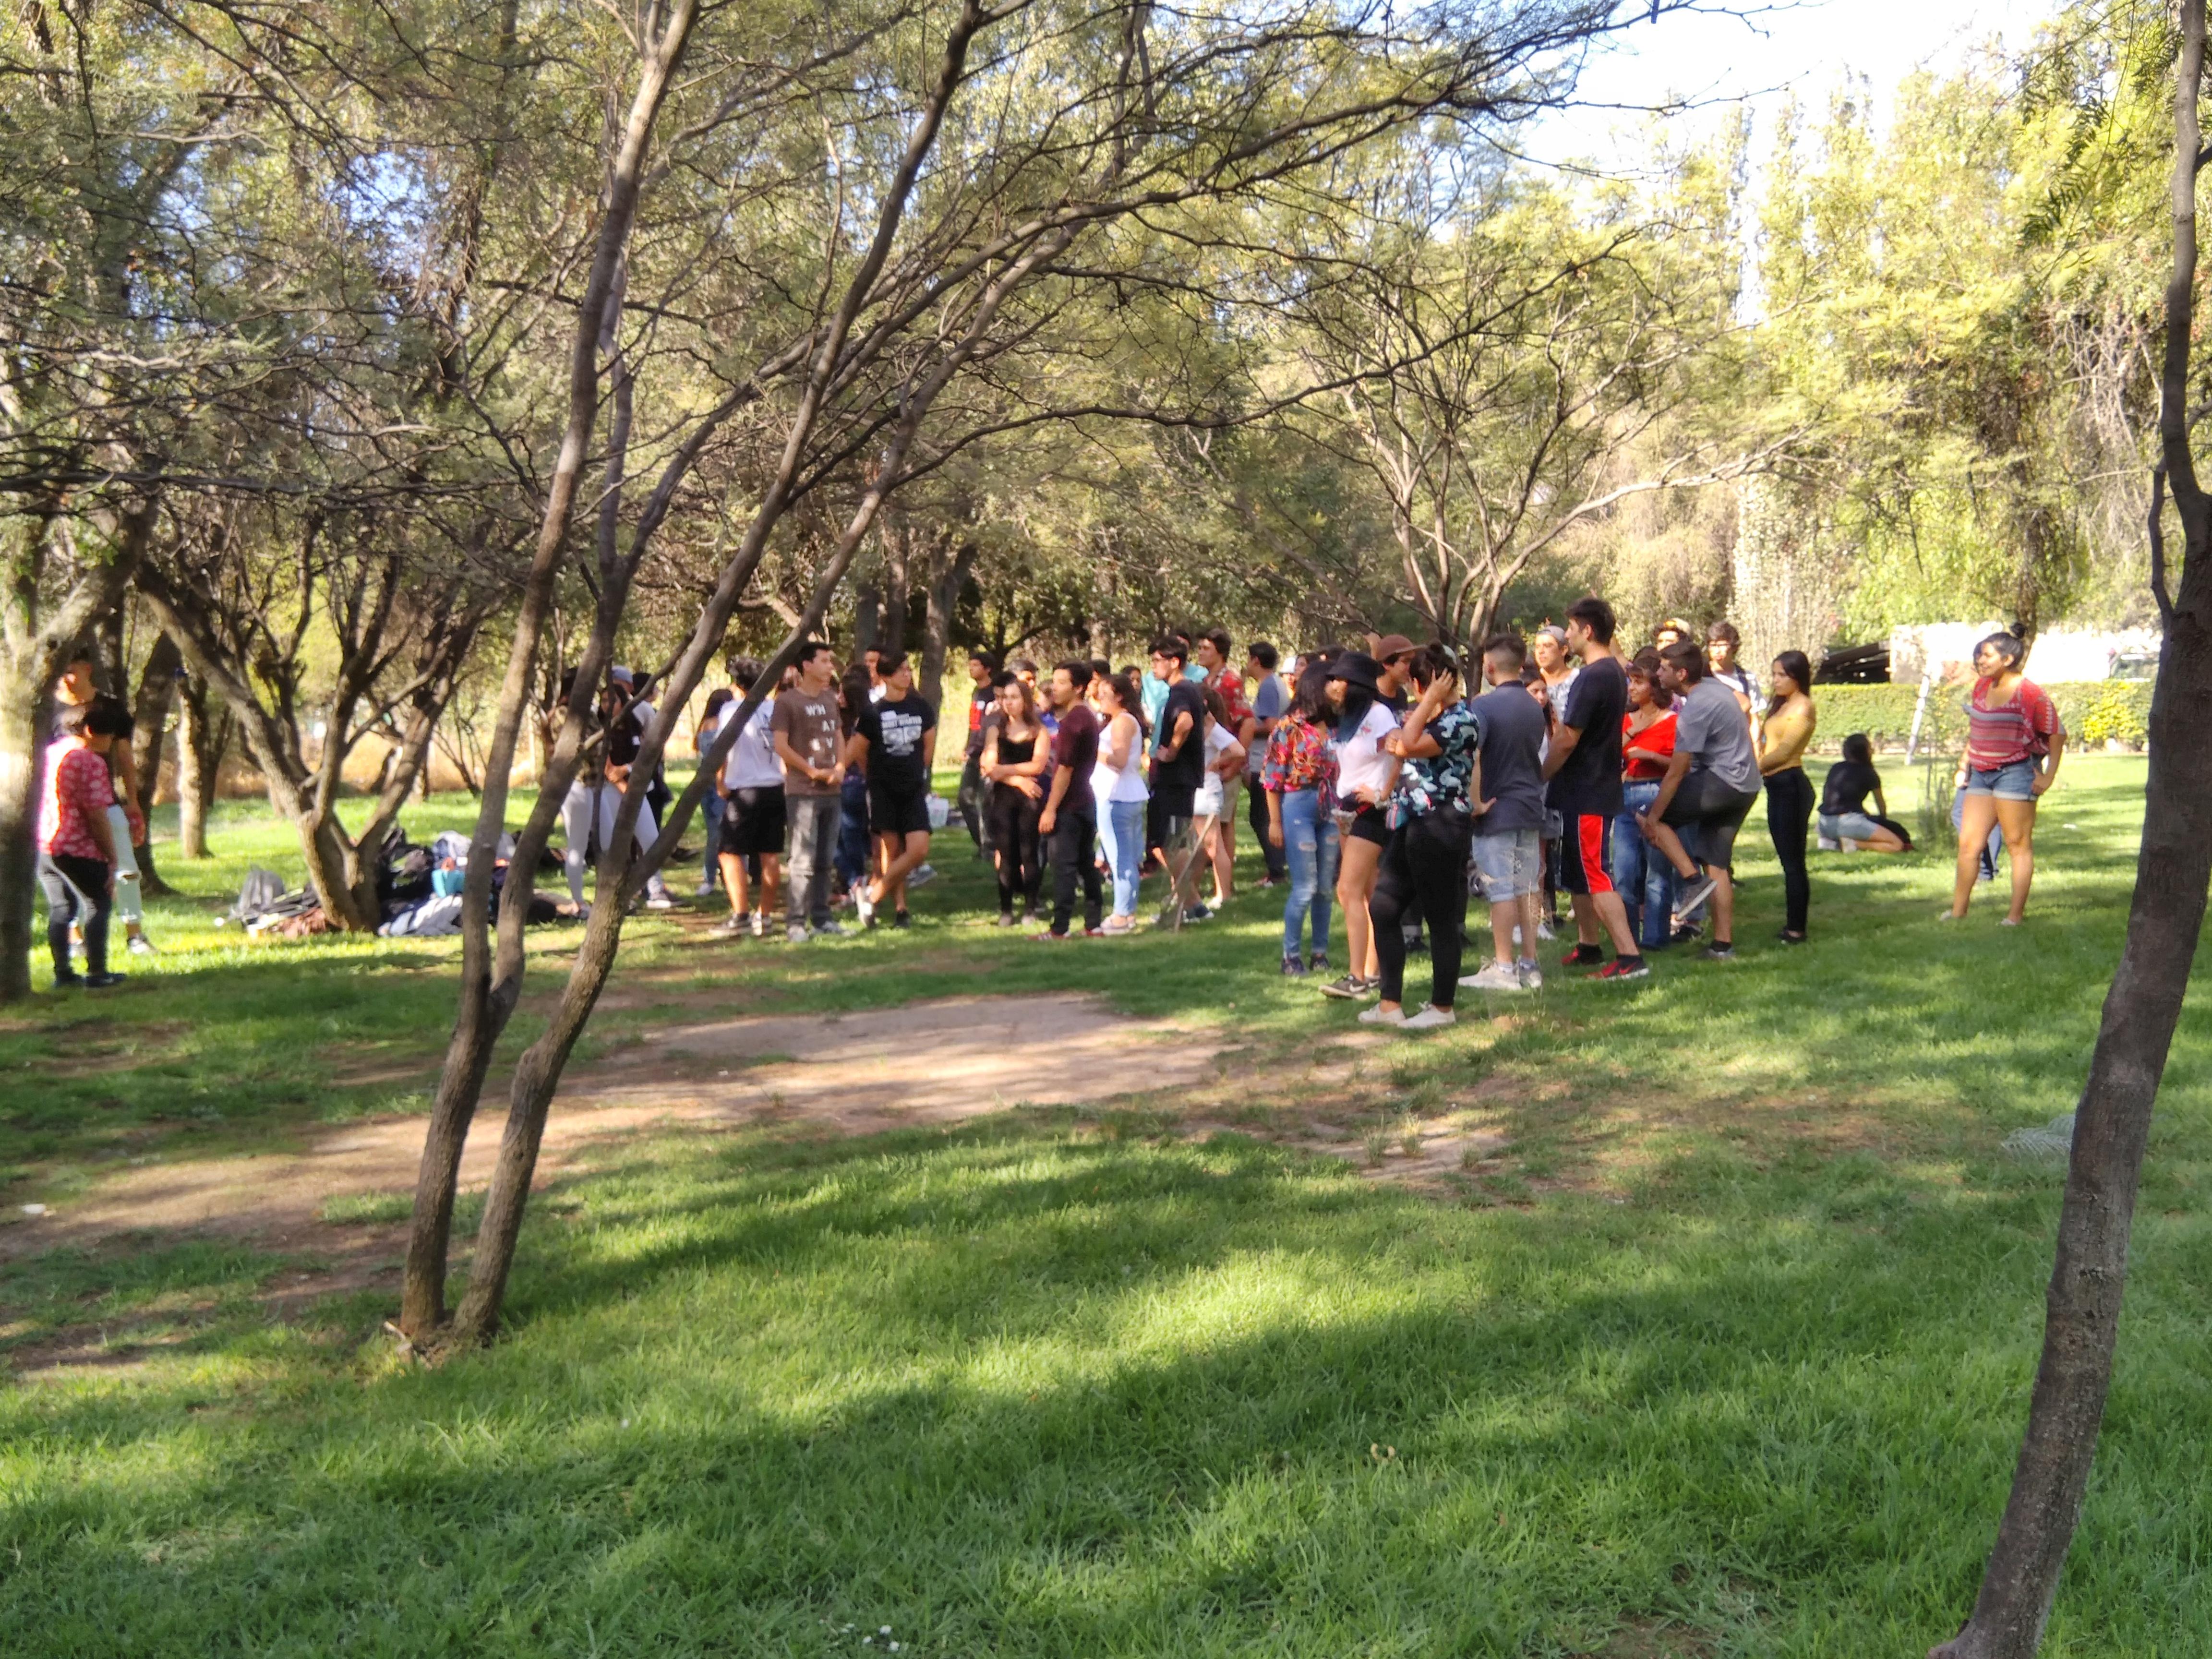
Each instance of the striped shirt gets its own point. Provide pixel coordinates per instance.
(2015, 731)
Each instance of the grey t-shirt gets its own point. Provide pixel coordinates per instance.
(1512, 760)
(1709, 724)
(1270, 701)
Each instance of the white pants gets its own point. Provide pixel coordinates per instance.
(577, 815)
(129, 903)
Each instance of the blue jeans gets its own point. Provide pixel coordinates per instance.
(710, 813)
(1122, 828)
(1310, 847)
(1646, 881)
(852, 850)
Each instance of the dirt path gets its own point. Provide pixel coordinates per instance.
(933, 1063)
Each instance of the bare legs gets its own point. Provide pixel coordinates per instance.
(2016, 818)
(1355, 883)
(898, 859)
(1723, 894)
(734, 881)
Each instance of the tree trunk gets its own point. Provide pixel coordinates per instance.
(201, 740)
(149, 720)
(2111, 1123)
(944, 593)
(22, 713)
(898, 594)
(867, 617)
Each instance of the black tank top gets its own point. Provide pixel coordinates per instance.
(1013, 751)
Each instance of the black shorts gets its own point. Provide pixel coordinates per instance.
(1586, 853)
(1713, 812)
(897, 810)
(753, 822)
(1369, 824)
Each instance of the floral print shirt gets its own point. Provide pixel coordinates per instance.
(1298, 757)
(1444, 780)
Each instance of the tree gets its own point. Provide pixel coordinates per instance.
(2113, 1115)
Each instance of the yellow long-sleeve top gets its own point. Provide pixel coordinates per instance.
(1784, 735)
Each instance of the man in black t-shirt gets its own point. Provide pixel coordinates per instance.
(1583, 765)
(1178, 769)
(895, 739)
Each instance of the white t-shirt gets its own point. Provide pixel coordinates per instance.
(752, 763)
(1360, 761)
(1218, 738)
(1110, 783)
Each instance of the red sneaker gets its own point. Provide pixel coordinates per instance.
(1634, 968)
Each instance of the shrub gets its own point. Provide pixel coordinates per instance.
(2095, 712)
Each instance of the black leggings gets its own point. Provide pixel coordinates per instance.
(1788, 807)
(1424, 872)
(1073, 837)
(77, 893)
(1010, 833)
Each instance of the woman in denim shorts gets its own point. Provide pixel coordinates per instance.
(2012, 745)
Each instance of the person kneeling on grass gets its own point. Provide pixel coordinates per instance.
(896, 738)
(1709, 788)
(1845, 822)
(76, 865)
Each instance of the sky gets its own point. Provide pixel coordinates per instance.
(1806, 47)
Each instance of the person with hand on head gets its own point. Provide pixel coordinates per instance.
(807, 732)
(1510, 811)
(1366, 773)
(1784, 733)
(1070, 819)
(75, 842)
(1016, 754)
(1431, 822)
(1709, 789)
(1394, 663)
(1583, 765)
(2015, 741)
(1298, 780)
(895, 740)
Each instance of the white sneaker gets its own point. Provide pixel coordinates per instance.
(1495, 976)
(659, 901)
(830, 930)
(1378, 1014)
(795, 934)
(1543, 931)
(1853, 847)
(920, 876)
(864, 906)
(760, 924)
(704, 888)
(731, 927)
(1530, 976)
(1430, 1018)
(140, 945)
(1830, 844)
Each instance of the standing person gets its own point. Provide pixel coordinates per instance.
(1584, 767)
(1070, 819)
(1365, 774)
(1844, 824)
(895, 739)
(753, 815)
(1224, 765)
(856, 855)
(983, 698)
(806, 730)
(1211, 651)
(1298, 780)
(1668, 632)
(1118, 790)
(1178, 769)
(1270, 701)
(1393, 664)
(594, 799)
(2015, 741)
(1555, 673)
(1644, 878)
(1709, 786)
(76, 842)
(78, 687)
(1508, 786)
(1423, 865)
(711, 803)
(1016, 753)
(1785, 732)
(1722, 642)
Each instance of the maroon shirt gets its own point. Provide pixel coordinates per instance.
(1075, 751)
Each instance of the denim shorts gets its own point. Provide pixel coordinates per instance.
(2013, 781)
(1508, 864)
(1848, 826)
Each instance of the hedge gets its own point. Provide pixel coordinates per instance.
(2096, 713)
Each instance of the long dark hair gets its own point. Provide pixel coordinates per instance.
(1800, 670)
(1124, 684)
(1644, 665)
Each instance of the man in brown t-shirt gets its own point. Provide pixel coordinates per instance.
(805, 732)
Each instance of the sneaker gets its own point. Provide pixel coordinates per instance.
(1045, 935)
(1582, 956)
(1005, 918)
(1378, 1014)
(1718, 952)
(760, 924)
(659, 901)
(832, 930)
(922, 876)
(1529, 974)
(1032, 918)
(864, 906)
(1197, 913)
(1851, 846)
(1624, 968)
(732, 926)
(1543, 931)
(1789, 938)
(1699, 889)
(1317, 962)
(1350, 988)
(1117, 926)
(140, 945)
(1830, 844)
(796, 934)
(1494, 977)
(101, 981)
(1687, 932)
(703, 890)
(1293, 969)
(1430, 1018)
(68, 982)
(1264, 883)
(900, 919)
(1094, 933)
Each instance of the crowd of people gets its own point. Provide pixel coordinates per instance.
(1389, 784)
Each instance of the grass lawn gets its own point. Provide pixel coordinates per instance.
(1720, 1346)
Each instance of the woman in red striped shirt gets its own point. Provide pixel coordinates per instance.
(2013, 742)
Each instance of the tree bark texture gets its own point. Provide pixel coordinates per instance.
(2112, 1119)
(149, 736)
(202, 736)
